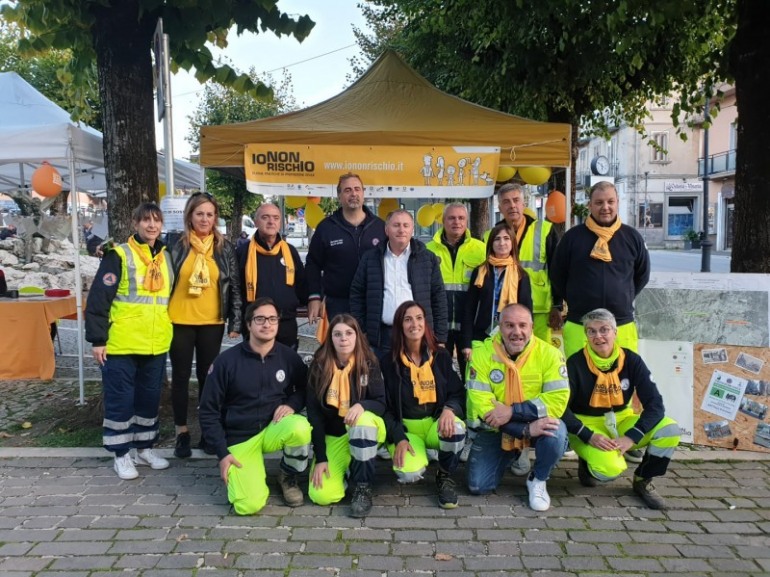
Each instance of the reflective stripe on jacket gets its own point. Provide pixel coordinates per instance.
(139, 321)
(533, 258)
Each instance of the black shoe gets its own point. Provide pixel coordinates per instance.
(645, 489)
(205, 447)
(361, 502)
(584, 475)
(447, 496)
(182, 449)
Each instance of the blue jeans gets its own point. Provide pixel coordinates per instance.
(488, 461)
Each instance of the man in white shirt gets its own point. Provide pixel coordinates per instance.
(401, 270)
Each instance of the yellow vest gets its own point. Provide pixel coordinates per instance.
(470, 254)
(139, 321)
(533, 260)
(543, 378)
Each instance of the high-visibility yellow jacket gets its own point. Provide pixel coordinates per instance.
(544, 384)
(139, 321)
(470, 254)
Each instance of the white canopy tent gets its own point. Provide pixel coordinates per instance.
(34, 129)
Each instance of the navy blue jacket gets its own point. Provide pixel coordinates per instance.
(335, 250)
(424, 276)
(243, 390)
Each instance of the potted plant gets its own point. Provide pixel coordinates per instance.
(580, 211)
(691, 239)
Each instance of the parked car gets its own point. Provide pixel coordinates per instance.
(247, 225)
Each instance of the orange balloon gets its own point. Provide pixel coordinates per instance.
(46, 180)
(556, 207)
(314, 199)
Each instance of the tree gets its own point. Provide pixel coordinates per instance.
(117, 36)
(222, 105)
(591, 64)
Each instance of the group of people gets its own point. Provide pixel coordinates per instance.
(397, 312)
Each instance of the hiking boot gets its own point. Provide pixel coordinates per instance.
(539, 500)
(205, 447)
(521, 464)
(147, 458)
(633, 456)
(584, 475)
(646, 491)
(182, 450)
(447, 496)
(292, 494)
(124, 467)
(361, 501)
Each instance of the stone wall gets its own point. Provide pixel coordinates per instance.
(52, 265)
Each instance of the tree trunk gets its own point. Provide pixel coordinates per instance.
(750, 62)
(123, 42)
(479, 220)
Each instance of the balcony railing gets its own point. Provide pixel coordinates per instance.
(717, 163)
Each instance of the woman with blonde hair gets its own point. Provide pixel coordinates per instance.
(345, 403)
(206, 294)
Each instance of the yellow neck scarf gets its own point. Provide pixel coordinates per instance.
(251, 265)
(513, 390)
(607, 391)
(153, 278)
(601, 250)
(200, 278)
(423, 380)
(520, 230)
(338, 393)
(510, 291)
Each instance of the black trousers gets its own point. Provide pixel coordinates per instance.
(204, 341)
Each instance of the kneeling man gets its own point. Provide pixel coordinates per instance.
(517, 392)
(600, 419)
(250, 406)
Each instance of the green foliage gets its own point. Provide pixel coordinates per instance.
(223, 105)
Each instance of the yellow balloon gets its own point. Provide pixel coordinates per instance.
(314, 214)
(438, 212)
(505, 173)
(295, 201)
(529, 211)
(387, 205)
(535, 175)
(425, 215)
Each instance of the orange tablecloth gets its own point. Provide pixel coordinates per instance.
(26, 349)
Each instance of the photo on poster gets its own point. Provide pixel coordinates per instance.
(717, 430)
(753, 409)
(758, 388)
(723, 395)
(713, 356)
(749, 363)
(762, 435)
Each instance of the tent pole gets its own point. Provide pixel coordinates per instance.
(78, 279)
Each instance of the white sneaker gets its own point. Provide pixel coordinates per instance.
(466, 452)
(432, 455)
(124, 467)
(539, 500)
(383, 453)
(521, 466)
(569, 454)
(146, 458)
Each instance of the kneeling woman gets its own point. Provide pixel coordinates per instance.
(425, 403)
(345, 404)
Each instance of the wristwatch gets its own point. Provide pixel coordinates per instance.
(525, 433)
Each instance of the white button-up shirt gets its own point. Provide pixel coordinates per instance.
(396, 288)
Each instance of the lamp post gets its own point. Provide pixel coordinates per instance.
(705, 245)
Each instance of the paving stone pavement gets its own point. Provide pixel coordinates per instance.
(65, 513)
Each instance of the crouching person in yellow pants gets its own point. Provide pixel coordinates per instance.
(425, 399)
(345, 404)
(249, 407)
(601, 423)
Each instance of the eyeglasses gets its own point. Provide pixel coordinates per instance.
(603, 331)
(260, 320)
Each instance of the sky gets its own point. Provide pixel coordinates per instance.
(317, 66)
